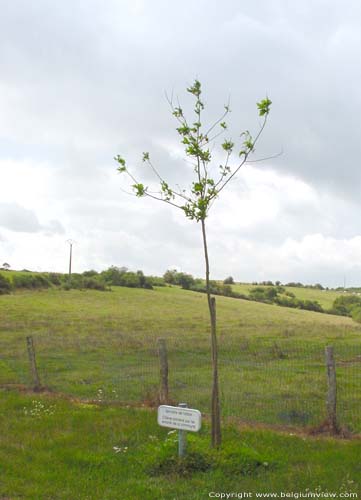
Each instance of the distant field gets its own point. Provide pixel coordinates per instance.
(10, 274)
(102, 345)
(323, 297)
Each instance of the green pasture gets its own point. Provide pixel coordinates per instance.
(325, 298)
(10, 273)
(103, 346)
(52, 448)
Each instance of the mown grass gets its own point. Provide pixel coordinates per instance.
(271, 358)
(54, 448)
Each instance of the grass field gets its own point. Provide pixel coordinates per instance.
(52, 448)
(102, 345)
(88, 436)
(324, 297)
(10, 274)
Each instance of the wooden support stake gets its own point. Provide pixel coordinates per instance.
(331, 390)
(32, 360)
(163, 361)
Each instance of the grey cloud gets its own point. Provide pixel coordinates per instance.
(17, 218)
(53, 227)
(82, 82)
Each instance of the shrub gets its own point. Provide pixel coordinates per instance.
(113, 275)
(226, 290)
(228, 281)
(90, 274)
(344, 304)
(156, 280)
(55, 278)
(184, 280)
(130, 280)
(170, 276)
(310, 305)
(94, 284)
(356, 314)
(31, 281)
(173, 277)
(5, 285)
(263, 294)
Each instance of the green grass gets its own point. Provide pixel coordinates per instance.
(68, 453)
(10, 273)
(271, 358)
(325, 298)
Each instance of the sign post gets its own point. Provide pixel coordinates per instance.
(182, 418)
(182, 437)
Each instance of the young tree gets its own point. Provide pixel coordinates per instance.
(198, 199)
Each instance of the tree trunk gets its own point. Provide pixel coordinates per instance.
(215, 405)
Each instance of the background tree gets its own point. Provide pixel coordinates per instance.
(6, 266)
(195, 202)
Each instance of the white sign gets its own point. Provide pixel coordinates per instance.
(175, 417)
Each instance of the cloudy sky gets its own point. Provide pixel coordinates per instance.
(82, 81)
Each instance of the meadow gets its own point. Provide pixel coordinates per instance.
(324, 297)
(103, 345)
(93, 432)
(53, 448)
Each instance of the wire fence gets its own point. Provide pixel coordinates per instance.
(261, 380)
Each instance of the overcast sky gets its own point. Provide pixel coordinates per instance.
(82, 81)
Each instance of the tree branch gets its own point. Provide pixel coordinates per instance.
(245, 157)
(277, 155)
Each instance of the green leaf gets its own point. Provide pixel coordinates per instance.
(145, 156)
(264, 106)
(228, 146)
(183, 130)
(178, 112)
(166, 190)
(195, 89)
(120, 160)
(139, 189)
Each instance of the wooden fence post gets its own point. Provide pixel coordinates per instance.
(331, 402)
(163, 361)
(32, 360)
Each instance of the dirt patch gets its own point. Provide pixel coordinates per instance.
(326, 429)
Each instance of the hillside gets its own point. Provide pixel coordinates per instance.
(271, 358)
(324, 297)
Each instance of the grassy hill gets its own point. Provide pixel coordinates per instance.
(323, 297)
(102, 345)
(97, 354)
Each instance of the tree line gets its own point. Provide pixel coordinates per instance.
(266, 292)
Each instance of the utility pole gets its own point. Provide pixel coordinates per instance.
(71, 242)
